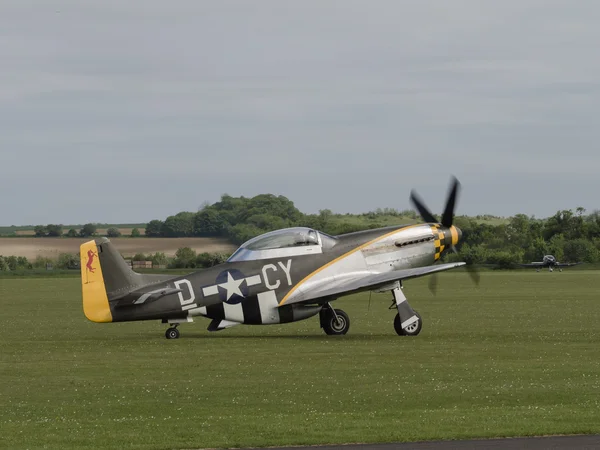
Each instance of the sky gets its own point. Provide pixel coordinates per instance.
(125, 112)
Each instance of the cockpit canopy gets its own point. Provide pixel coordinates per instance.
(281, 243)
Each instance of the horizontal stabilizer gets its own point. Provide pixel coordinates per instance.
(147, 297)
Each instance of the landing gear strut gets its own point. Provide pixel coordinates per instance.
(173, 332)
(334, 321)
(407, 322)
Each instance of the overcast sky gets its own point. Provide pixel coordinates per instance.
(126, 111)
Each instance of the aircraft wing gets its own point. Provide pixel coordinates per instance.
(533, 264)
(567, 264)
(368, 283)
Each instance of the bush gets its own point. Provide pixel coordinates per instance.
(206, 260)
(72, 233)
(185, 258)
(68, 261)
(159, 259)
(89, 229)
(135, 233)
(504, 259)
(41, 262)
(154, 228)
(113, 232)
(140, 257)
(16, 262)
(54, 230)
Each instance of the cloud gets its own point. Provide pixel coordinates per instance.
(340, 105)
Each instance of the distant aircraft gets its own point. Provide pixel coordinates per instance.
(281, 276)
(550, 262)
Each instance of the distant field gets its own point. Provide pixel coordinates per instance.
(52, 247)
(520, 355)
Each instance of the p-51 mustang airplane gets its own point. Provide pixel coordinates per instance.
(550, 262)
(281, 276)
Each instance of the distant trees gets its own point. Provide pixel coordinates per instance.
(54, 230)
(48, 230)
(179, 225)
(209, 222)
(236, 218)
(88, 230)
(570, 235)
(154, 228)
(113, 232)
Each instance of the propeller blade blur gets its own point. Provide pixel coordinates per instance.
(448, 214)
(420, 206)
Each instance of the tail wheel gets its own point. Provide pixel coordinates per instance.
(336, 326)
(172, 333)
(412, 330)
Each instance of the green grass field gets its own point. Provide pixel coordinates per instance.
(520, 355)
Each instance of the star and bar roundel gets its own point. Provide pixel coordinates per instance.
(232, 286)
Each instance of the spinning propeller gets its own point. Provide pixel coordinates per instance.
(446, 226)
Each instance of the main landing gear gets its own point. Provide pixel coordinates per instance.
(334, 321)
(173, 332)
(407, 322)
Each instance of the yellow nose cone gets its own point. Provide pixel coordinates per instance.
(456, 234)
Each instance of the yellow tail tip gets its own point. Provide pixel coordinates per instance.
(95, 300)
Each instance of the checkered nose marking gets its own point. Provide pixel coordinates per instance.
(444, 238)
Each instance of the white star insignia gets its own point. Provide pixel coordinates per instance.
(232, 286)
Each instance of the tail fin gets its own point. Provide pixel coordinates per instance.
(104, 276)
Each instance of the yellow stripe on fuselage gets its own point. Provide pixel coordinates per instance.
(345, 255)
(95, 301)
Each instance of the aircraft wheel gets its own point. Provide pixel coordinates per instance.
(334, 327)
(172, 333)
(412, 330)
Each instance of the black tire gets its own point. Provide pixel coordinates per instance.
(172, 333)
(334, 327)
(411, 330)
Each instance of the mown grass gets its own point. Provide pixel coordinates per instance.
(519, 355)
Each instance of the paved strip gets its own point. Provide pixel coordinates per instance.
(579, 442)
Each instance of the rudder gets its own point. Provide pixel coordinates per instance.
(95, 298)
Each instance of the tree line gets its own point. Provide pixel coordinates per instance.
(569, 235)
(87, 230)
